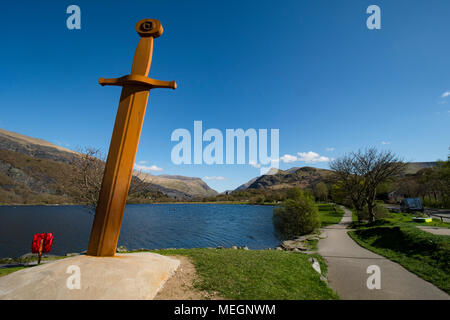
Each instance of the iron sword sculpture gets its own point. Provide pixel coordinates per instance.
(124, 142)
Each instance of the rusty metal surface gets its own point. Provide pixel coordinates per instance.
(124, 142)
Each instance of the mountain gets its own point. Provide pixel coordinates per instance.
(303, 177)
(414, 167)
(36, 148)
(307, 177)
(180, 186)
(37, 171)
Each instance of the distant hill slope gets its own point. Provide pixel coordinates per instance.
(414, 167)
(304, 177)
(37, 171)
(308, 177)
(187, 186)
(33, 147)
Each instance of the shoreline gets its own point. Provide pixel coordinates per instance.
(85, 205)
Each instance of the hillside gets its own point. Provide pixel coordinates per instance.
(304, 177)
(36, 148)
(189, 186)
(308, 177)
(37, 171)
(414, 167)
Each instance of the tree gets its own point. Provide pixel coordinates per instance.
(297, 216)
(376, 167)
(436, 181)
(362, 172)
(87, 177)
(348, 180)
(321, 191)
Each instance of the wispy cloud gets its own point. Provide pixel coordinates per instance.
(215, 178)
(445, 94)
(312, 157)
(143, 162)
(329, 149)
(385, 142)
(288, 158)
(254, 164)
(151, 168)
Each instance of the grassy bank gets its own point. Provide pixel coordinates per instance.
(6, 271)
(329, 214)
(398, 239)
(256, 274)
(252, 274)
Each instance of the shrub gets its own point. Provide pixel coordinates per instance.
(297, 216)
(379, 212)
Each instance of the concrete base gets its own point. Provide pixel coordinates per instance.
(132, 276)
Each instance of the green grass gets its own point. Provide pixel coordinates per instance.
(252, 274)
(397, 238)
(257, 274)
(328, 215)
(406, 219)
(5, 271)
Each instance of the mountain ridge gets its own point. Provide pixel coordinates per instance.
(308, 177)
(32, 168)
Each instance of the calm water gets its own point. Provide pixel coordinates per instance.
(144, 226)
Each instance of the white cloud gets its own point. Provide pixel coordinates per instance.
(147, 168)
(254, 164)
(385, 142)
(143, 162)
(329, 149)
(288, 158)
(312, 157)
(214, 178)
(445, 94)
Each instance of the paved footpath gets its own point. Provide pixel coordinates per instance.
(435, 230)
(347, 270)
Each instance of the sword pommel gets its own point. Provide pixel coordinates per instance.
(149, 28)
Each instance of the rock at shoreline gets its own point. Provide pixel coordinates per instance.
(121, 249)
(291, 245)
(73, 254)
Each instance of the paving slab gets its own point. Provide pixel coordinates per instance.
(348, 264)
(436, 230)
(132, 276)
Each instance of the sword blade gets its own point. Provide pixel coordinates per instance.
(118, 172)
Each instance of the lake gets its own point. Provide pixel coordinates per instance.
(152, 226)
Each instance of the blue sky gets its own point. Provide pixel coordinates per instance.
(311, 69)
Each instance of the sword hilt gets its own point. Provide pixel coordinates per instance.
(148, 29)
(138, 80)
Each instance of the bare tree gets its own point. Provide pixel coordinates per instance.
(88, 175)
(345, 172)
(86, 181)
(362, 172)
(376, 167)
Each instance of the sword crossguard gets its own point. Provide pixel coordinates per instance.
(138, 80)
(148, 29)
